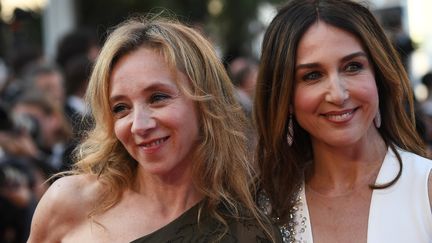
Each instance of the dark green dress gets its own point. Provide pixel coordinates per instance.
(187, 229)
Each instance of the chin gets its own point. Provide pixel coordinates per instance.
(163, 170)
(344, 142)
(157, 170)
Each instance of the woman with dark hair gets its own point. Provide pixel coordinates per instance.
(339, 155)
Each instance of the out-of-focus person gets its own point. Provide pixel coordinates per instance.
(243, 72)
(21, 180)
(75, 43)
(50, 130)
(48, 79)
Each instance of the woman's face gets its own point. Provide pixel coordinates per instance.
(336, 97)
(154, 121)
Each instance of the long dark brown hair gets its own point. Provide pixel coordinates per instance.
(283, 167)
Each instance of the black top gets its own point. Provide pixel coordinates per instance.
(186, 228)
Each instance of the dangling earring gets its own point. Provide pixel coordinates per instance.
(290, 134)
(377, 119)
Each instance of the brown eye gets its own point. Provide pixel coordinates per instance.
(312, 76)
(354, 67)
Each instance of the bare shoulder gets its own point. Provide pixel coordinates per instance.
(64, 206)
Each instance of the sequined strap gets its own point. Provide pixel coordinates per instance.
(297, 228)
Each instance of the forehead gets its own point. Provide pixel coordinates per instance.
(139, 61)
(142, 68)
(322, 37)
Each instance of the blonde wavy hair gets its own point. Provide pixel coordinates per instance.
(221, 172)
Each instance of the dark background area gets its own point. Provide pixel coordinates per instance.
(232, 29)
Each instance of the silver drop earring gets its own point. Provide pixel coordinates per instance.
(290, 134)
(377, 119)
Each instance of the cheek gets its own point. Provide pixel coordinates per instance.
(189, 128)
(366, 91)
(306, 99)
(183, 116)
(186, 124)
(120, 130)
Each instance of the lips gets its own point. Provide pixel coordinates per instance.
(340, 116)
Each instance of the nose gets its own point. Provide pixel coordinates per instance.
(143, 121)
(337, 92)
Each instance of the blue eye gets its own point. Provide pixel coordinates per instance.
(354, 67)
(158, 97)
(118, 108)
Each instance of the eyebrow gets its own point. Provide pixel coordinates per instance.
(152, 87)
(344, 59)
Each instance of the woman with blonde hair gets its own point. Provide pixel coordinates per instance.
(166, 158)
(337, 147)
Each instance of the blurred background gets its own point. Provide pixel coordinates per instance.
(234, 26)
(47, 49)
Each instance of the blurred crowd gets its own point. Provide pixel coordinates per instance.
(42, 117)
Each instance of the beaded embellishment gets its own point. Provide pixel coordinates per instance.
(292, 231)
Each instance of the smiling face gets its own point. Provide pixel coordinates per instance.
(153, 119)
(336, 97)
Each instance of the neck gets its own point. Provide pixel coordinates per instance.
(340, 170)
(170, 195)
